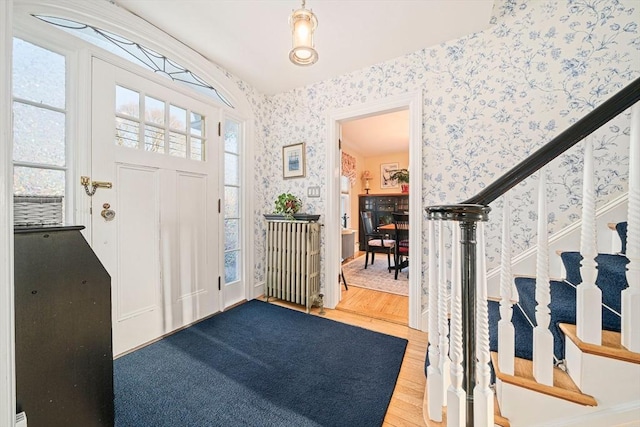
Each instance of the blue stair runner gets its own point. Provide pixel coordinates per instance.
(621, 228)
(611, 280)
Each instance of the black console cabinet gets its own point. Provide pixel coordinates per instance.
(64, 359)
(381, 207)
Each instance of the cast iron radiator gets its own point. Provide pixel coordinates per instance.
(293, 262)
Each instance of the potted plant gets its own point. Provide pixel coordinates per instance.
(402, 176)
(287, 204)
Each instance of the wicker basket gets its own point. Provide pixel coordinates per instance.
(37, 210)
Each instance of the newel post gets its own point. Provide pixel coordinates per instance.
(468, 215)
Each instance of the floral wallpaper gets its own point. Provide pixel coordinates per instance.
(490, 99)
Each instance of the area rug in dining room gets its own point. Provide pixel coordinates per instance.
(376, 276)
(259, 364)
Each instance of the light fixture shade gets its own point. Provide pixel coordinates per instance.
(303, 24)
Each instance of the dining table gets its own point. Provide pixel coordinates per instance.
(391, 229)
(387, 227)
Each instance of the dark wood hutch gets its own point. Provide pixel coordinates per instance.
(381, 207)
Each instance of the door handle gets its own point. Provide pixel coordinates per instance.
(107, 214)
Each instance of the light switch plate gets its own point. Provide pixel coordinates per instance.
(313, 192)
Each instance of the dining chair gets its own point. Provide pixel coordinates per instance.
(375, 241)
(401, 252)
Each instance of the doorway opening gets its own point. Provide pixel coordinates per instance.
(410, 105)
(372, 148)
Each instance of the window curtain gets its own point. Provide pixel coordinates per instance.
(349, 167)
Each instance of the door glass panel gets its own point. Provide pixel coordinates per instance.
(231, 267)
(231, 134)
(127, 133)
(232, 198)
(231, 234)
(38, 74)
(129, 122)
(177, 144)
(38, 182)
(38, 135)
(177, 118)
(153, 110)
(196, 149)
(154, 139)
(232, 202)
(231, 173)
(127, 102)
(196, 124)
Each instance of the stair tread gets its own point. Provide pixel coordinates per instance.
(611, 345)
(498, 419)
(563, 386)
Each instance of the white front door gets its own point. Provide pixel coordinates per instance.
(157, 147)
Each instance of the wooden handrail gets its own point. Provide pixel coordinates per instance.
(561, 143)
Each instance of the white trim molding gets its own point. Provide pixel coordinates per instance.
(7, 334)
(412, 101)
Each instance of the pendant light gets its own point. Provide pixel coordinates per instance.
(303, 24)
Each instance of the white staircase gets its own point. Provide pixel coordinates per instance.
(598, 381)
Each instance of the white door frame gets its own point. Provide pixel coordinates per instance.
(413, 101)
(7, 337)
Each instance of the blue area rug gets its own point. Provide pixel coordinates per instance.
(260, 364)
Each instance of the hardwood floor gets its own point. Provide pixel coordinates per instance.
(375, 304)
(405, 408)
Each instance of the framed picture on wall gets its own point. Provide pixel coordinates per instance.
(293, 160)
(385, 175)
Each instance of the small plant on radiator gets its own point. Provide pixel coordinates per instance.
(287, 204)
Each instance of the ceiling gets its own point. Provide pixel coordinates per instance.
(377, 135)
(251, 38)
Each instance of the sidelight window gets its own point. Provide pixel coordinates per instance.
(40, 158)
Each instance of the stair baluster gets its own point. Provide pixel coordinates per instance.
(588, 295)
(542, 337)
(482, 393)
(506, 333)
(434, 376)
(456, 408)
(443, 326)
(631, 295)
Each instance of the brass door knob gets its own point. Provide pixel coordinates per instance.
(107, 214)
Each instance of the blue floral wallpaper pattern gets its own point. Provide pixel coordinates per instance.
(490, 99)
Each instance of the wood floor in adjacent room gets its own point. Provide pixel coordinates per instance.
(375, 304)
(405, 408)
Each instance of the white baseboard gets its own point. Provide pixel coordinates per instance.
(258, 289)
